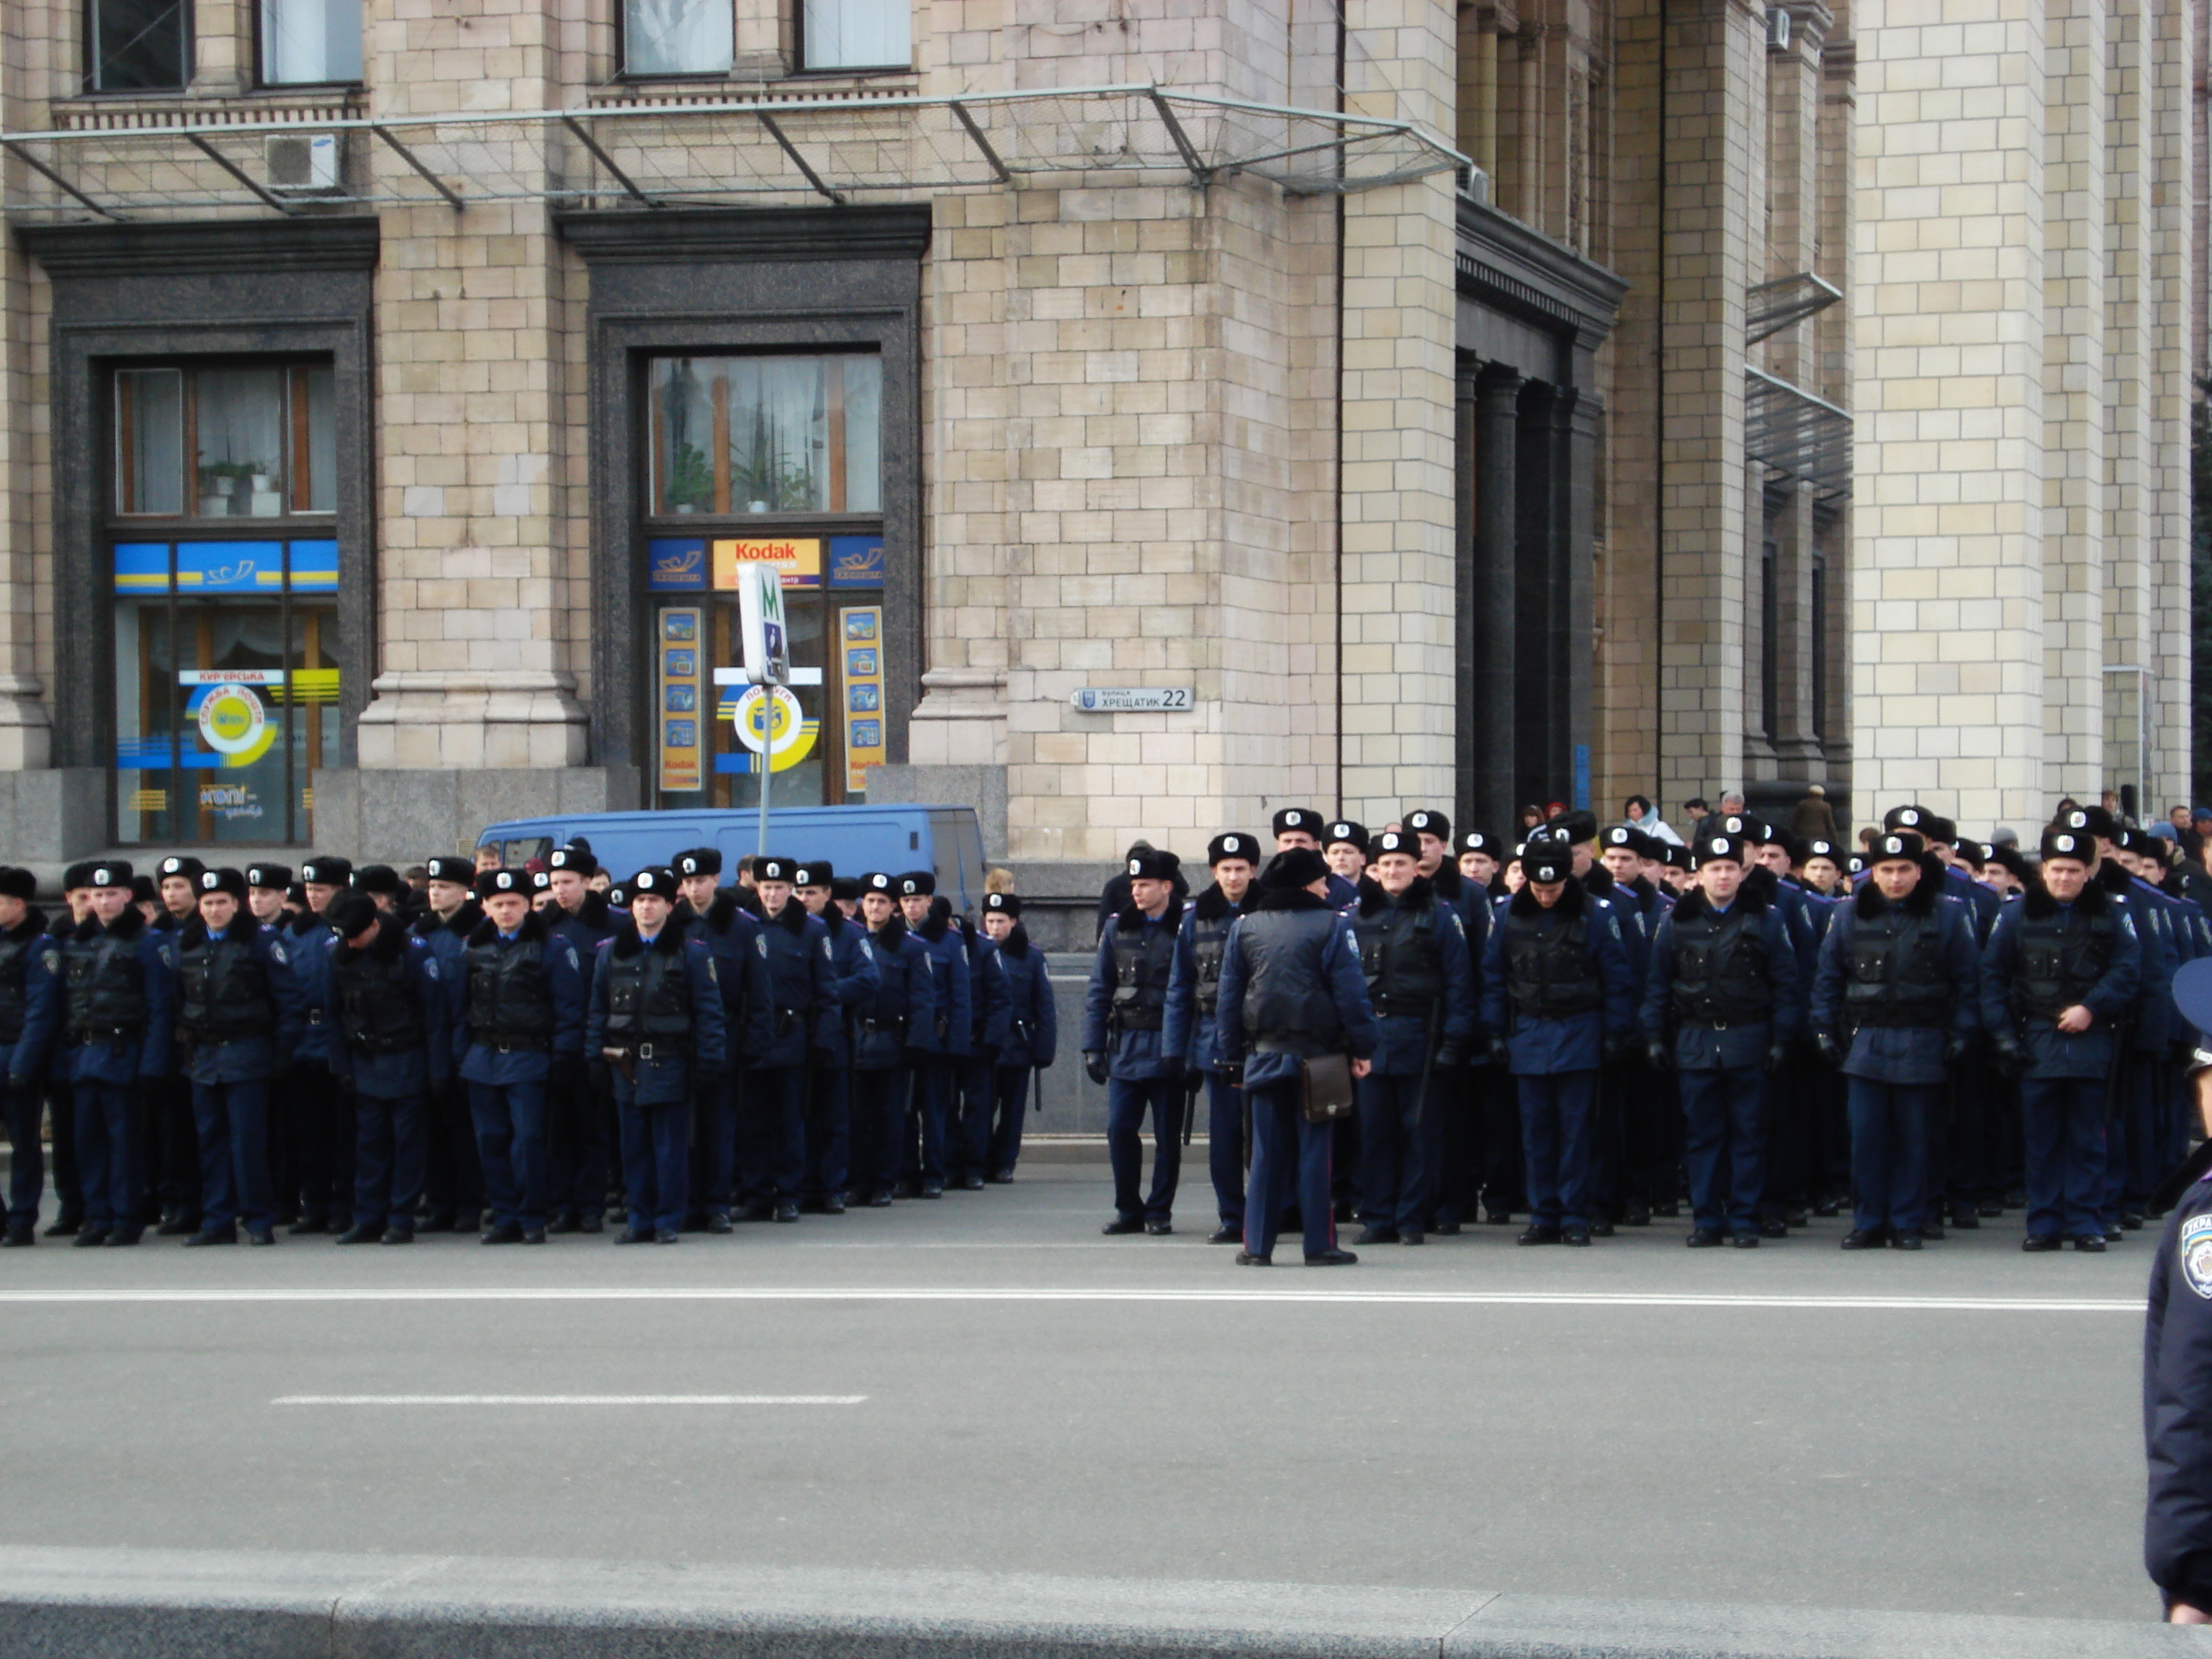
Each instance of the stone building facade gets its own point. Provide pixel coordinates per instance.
(1453, 404)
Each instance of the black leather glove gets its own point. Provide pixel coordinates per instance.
(1826, 1045)
(1232, 1073)
(1661, 1056)
(1495, 1051)
(2011, 1054)
(1449, 1057)
(1955, 1049)
(1094, 1065)
(1171, 1070)
(1777, 1056)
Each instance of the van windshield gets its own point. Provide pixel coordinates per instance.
(521, 852)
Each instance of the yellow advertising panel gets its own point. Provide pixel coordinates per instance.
(799, 558)
(684, 710)
(860, 637)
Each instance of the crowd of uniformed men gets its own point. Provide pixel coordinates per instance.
(1593, 1029)
(512, 1048)
(1587, 1029)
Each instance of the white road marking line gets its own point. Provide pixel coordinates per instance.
(569, 1399)
(1253, 1295)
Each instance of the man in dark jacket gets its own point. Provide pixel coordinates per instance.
(656, 1023)
(322, 1121)
(2177, 1375)
(392, 1044)
(121, 1015)
(452, 1180)
(968, 1139)
(731, 931)
(1124, 1018)
(896, 1027)
(853, 983)
(2059, 976)
(802, 999)
(1194, 1020)
(1895, 1005)
(936, 1069)
(1291, 991)
(30, 1022)
(61, 1106)
(1024, 1028)
(1413, 952)
(1721, 1005)
(578, 1101)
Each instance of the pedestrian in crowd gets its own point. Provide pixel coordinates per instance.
(1637, 812)
(1813, 818)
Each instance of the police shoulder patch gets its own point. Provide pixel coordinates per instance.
(574, 965)
(760, 944)
(276, 954)
(2194, 1251)
(828, 954)
(430, 966)
(51, 961)
(712, 978)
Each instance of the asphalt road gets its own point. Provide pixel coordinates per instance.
(985, 1382)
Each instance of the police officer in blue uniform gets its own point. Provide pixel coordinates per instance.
(1720, 1008)
(896, 1028)
(968, 1137)
(578, 1107)
(1559, 999)
(937, 1073)
(392, 1043)
(1303, 827)
(1124, 1025)
(121, 1013)
(169, 1182)
(520, 1012)
(795, 949)
(2059, 975)
(731, 933)
(30, 1021)
(61, 1108)
(656, 1023)
(1894, 1005)
(1025, 1031)
(1420, 985)
(239, 1010)
(323, 1120)
(2177, 1376)
(1192, 1029)
(452, 1180)
(853, 983)
(1291, 991)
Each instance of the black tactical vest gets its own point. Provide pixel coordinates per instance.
(1897, 976)
(223, 986)
(377, 1010)
(1208, 940)
(1144, 955)
(106, 995)
(647, 999)
(1721, 969)
(1288, 1007)
(508, 1001)
(1549, 973)
(2062, 956)
(15, 949)
(1401, 956)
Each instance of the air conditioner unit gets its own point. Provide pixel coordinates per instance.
(303, 164)
(1778, 29)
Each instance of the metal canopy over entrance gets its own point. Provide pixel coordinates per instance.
(671, 154)
(1796, 434)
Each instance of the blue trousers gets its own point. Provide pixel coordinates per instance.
(1128, 1100)
(576, 1152)
(1724, 1143)
(935, 1077)
(27, 1165)
(2138, 1177)
(1558, 1112)
(1278, 1125)
(451, 1178)
(2062, 1126)
(1010, 1093)
(970, 1146)
(1224, 1147)
(68, 1182)
(1394, 1169)
(391, 1147)
(1889, 1152)
(829, 1132)
(878, 1127)
(233, 1122)
(510, 1120)
(772, 1135)
(656, 1158)
(713, 1184)
(106, 1131)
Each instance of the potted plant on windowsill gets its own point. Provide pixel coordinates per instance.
(221, 487)
(690, 485)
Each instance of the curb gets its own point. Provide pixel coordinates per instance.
(121, 1604)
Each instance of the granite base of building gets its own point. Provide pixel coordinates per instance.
(49, 817)
(401, 815)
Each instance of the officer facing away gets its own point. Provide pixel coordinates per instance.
(1291, 991)
(1124, 1012)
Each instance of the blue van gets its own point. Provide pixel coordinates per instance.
(947, 840)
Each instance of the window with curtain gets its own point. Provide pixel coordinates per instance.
(678, 37)
(137, 46)
(252, 440)
(735, 435)
(305, 42)
(856, 33)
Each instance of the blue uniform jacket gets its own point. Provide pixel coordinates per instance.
(1981, 905)
(1909, 1054)
(1546, 1048)
(1401, 1047)
(854, 982)
(255, 1058)
(563, 974)
(448, 943)
(794, 948)
(1025, 1026)
(665, 1079)
(2177, 1404)
(948, 970)
(1132, 1056)
(986, 990)
(307, 942)
(1187, 1030)
(2051, 1053)
(1712, 1048)
(2155, 1020)
(730, 931)
(118, 1065)
(1338, 969)
(1628, 918)
(586, 927)
(59, 1059)
(408, 1075)
(903, 1008)
(39, 962)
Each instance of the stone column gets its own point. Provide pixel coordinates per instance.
(1492, 675)
(1948, 603)
(1582, 422)
(2178, 251)
(1536, 689)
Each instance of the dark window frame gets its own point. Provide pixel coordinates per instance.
(188, 527)
(263, 83)
(88, 83)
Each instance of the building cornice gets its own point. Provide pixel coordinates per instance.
(1503, 263)
(898, 231)
(204, 247)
